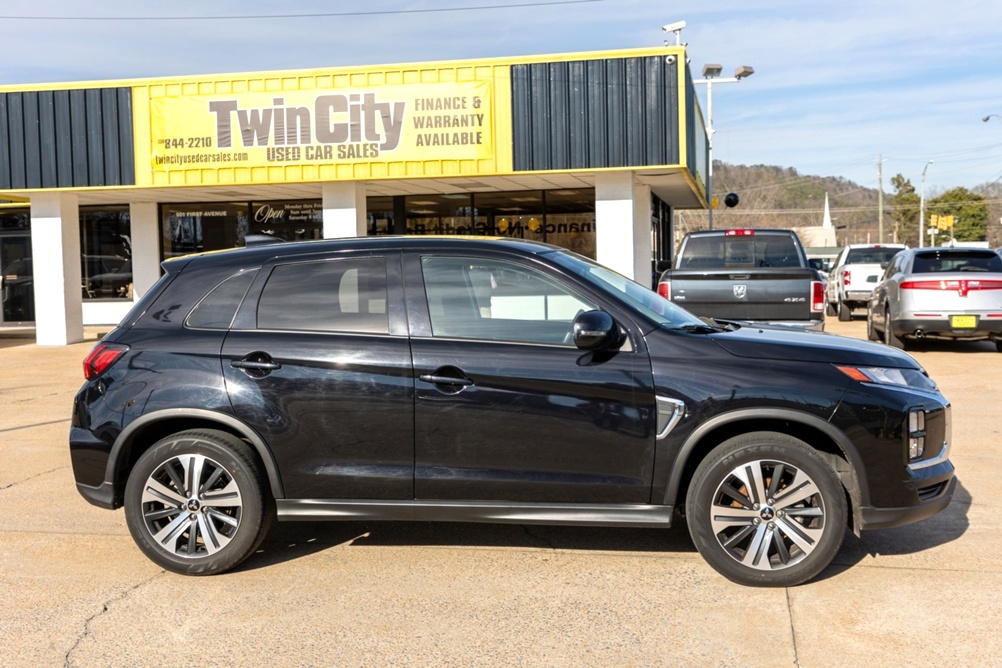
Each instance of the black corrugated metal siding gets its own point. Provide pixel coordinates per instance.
(61, 139)
(619, 112)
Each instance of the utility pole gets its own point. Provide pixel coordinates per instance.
(880, 199)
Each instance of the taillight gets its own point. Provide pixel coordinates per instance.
(846, 277)
(817, 296)
(101, 358)
(962, 287)
(664, 289)
(739, 233)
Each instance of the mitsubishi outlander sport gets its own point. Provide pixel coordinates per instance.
(465, 379)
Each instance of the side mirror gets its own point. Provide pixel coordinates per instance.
(595, 330)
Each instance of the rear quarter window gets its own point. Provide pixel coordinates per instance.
(216, 310)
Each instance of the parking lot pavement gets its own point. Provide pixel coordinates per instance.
(77, 592)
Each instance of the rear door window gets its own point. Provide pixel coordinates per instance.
(343, 295)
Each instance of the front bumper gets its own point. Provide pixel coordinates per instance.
(936, 498)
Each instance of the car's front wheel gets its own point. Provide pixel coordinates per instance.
(196, 502)
(871, 331)
(764, 509)
(890, 338)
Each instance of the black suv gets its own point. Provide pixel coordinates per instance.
(463, 379)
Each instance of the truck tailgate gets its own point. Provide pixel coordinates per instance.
(756, 294)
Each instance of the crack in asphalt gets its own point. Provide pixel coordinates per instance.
(540, 539)
(29, 426)
(37, 475)
(793, 629)
(67, 663)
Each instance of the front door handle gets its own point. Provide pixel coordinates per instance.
(445, 380)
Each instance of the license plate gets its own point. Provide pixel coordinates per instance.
(963, 321)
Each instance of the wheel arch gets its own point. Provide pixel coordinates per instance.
(142, 433)
(826, 439)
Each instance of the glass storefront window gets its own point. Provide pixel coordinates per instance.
(16, 276)
(106, 252)
(379, 216)
(194, 228)
(288, 220)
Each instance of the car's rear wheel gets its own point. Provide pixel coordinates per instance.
(890, 338)
(764, 509)
(196, 502)
(844, 311)
(998, 345)
(830, 307)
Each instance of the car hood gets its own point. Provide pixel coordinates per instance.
(789, 344)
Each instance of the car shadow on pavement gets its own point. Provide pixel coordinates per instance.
(288, 541)
(940, 529)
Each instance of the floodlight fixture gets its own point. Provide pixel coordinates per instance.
(744, 71)
(711, 70)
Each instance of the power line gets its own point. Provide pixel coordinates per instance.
(248, 17)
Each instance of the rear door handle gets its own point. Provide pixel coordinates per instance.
(256, 365)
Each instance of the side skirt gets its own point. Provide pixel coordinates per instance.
(609, 515)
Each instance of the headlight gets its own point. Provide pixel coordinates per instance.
(911, 378)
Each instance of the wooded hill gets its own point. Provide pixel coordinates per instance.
(782, 197)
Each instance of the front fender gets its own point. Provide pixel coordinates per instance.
(856, 485)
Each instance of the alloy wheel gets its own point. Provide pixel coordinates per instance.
(191, 506)
(767, 515)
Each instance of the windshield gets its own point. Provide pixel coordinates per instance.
(649, 303)
(870, 255)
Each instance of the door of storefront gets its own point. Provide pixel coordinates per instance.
(17, 279)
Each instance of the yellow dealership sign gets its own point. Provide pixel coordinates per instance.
(393, 124)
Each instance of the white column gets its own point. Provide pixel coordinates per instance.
(623, 225)
(643, 252)
(55, 251)
(145, 231)
(344, 209)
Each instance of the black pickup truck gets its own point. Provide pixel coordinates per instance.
(757, 275)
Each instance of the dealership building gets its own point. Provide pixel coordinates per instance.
(102, 181)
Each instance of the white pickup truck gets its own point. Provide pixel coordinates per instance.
(853, 276)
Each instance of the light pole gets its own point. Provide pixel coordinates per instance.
(922, 208)
(711, 72)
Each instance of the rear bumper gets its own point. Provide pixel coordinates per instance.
(860, 296)
(102, 496)
(939, 328)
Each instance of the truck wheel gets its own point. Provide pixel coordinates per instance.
(829, 308)
(844, 311)
(765, 510)
(196, 502)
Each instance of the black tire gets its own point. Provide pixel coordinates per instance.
(758, 543)
(890, 338)
(830, 308)
(200, 529)
(871, 332)
(844, 311)
(998, 345)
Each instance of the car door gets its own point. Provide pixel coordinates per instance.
(318, 363)
(507, 408)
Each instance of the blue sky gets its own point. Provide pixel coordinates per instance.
(835, 83)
